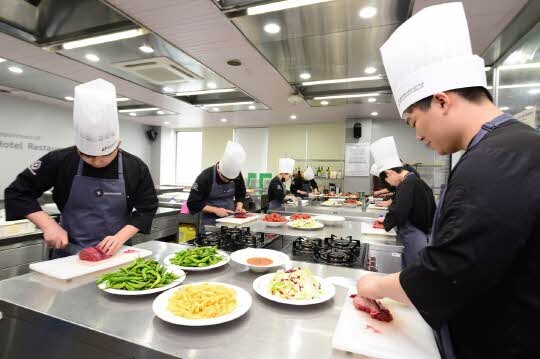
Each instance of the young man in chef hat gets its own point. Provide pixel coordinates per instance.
(477, 283)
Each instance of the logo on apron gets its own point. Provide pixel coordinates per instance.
(99, 193)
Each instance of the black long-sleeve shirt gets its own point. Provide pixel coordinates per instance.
(203, 186)
(58, 168)
(413, 202)
(480, 275)
(298, 183)
(275, 190)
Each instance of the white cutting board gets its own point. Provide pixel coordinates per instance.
(367, 228)
(407, 336)
(72, 267)
(377, 208)
(237, 221)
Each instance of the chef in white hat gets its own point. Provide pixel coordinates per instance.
(304, 183)
(220, 190)
(105, 195)
(412, 210)
(476, 283)
(277, 190)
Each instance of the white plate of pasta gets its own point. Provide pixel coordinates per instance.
(202, 304)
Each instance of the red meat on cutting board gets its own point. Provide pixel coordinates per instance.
(378, 225)
(93, 254)
(374, 308)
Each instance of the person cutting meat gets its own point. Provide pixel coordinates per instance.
(413, 207)
(304, 184)
(476, 283)
(220, 190)
(105, 194)
(277, 191)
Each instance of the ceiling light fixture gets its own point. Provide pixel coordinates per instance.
(281, 5)
(2, 60)
(504, 108)
(305, 76)
(215, 109)
(132, 114)
(324, 103)
(166, 123)
(138, 109)
(272, 28)
(534, 91)
(230, 104)
(367, 12)
(372, 99)
(292, 117)
(533, 65)
(160, 112)
(15, 69)
(69, 98)
(252, 107)
(146, 49)
(487, 68)
(338, 81)
(122, 99)
(103, 39)
(516, 86)
(374, 113)
(352, 95)
(223, 120)
(211, 85)
(529, 107)
(167, 89)
(92, 57)
(370, 70)
(204, 92)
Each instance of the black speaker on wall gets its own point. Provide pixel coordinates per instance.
(357, 130)
(152, 134)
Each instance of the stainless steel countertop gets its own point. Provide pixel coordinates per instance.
(268, 331)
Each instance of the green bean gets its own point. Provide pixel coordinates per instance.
(197, 257)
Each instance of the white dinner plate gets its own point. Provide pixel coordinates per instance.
(173, 269)
(160, 307)
(224, 261)
(278, 258)
(261, 285)
(318, 226)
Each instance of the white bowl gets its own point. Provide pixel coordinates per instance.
(273, 224)
(278, 258)
(330, 220)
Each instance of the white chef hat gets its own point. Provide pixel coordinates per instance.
(286, 165)
(374, 170)
(95, 118)
(385, 154)
(308, 174)
(232, 160)
(429, 53)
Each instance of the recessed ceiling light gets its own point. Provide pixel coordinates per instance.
(2, 60)
(229, 104)
(292, 117)
(211, 85)
(122, 99)
(15, 69)
(103, 38)
(133, 114)
(146, 49)
(504, 108)
(69, 98)
(272, 28)
(215, 109)
(529, 107)
(367, 12)
(352, 95)
(305, 76)
(487, 68)
(144, 109)
(204, 92)
(281, 5)
(160, 112)
(167, 89)
(324, 103)
(338, 81)
(534, 91)
(252, 107)
(374, 114)
(532, 65)
(92, 57)
(223, 120)
(372, 99)
(370, 70)
(166, 123)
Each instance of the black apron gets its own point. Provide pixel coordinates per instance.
(276, 203)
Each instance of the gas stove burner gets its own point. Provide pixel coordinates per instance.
(231, 239)
(343, 243)
(335, 256)
(304, 245)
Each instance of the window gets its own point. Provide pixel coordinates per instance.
(255, 143)
(188, 157)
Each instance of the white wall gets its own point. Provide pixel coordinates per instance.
(167, 141)
(29, 129)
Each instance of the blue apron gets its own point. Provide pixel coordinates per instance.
(442, 336)
(221, 196)
(276, 203)
(96, 208)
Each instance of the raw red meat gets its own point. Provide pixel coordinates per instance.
(93, 254)
(374, 308)
(378, 225)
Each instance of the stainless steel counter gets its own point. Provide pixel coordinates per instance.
(314, 208)
(77, 320)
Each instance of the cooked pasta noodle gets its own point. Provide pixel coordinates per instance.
(202, 301)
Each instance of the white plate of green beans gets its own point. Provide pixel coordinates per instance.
(141, 277)
(197, 259)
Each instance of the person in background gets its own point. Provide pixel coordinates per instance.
(304, 184)
(477, 283)
(105, 194)
(219, 190)
(412, 211)
(277, 191)
(380, 189)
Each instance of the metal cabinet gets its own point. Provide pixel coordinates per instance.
(15, 258)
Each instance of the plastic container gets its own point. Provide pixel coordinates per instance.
(186, 232)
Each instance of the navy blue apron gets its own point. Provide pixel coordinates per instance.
(96, 208)
(413, 239)
(276, 203)
(221, 196)
(442, 336)
(306, 187)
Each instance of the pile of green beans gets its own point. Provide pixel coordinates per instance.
(197, 257)
(142, 274)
